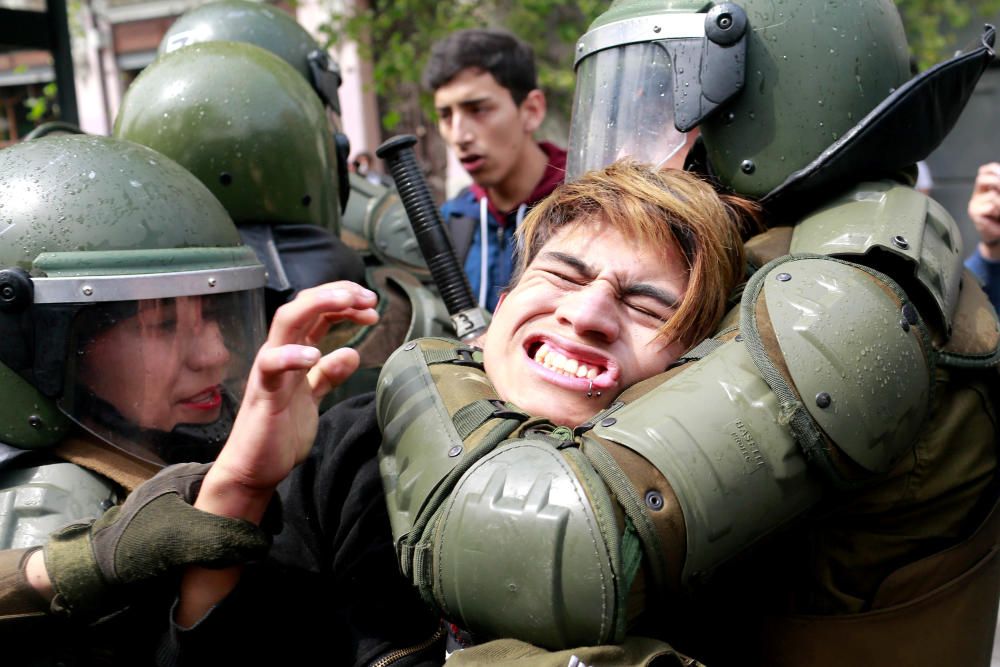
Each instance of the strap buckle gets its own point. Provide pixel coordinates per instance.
(501, 411)
(464, 356)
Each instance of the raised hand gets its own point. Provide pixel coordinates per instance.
(277, 420)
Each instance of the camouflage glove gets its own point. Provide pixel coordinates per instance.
(155, 532)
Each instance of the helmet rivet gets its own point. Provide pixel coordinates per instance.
(739, 338)
(823, 399)
(900, 242)
(87, 290)
(909, 313)
(225, 178)
(409, 346)
(784, 277)
(657, 28)
(748, 167)
(455, 451)
(34, 421)
(654, 500)
(724, 21)
(610, 421)
(212, 282)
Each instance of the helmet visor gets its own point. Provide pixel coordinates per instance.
(624, 106)
(160, 378)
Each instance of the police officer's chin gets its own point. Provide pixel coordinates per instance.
(199, 443)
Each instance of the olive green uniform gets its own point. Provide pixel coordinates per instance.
(813, 486)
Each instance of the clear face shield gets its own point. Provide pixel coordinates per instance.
(642, 83)
(623, 106)
(161, 377)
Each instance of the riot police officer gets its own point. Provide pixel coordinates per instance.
(245, 144)
(130, 313)
(245, 123)
(821, 479)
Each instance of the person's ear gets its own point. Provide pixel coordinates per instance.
(500, 300)
(533, 109)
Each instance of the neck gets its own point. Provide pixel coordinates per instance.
(519, 185)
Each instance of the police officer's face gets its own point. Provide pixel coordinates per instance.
(489, 133)
(586, 310)
(162, 367)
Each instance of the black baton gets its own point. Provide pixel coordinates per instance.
(467, 317)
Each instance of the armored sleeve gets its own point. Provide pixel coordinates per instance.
(518, 529)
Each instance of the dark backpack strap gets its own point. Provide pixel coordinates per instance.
(461, 228)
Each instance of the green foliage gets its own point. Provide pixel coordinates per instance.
(932, 26)
(44, 106)
(396, 37)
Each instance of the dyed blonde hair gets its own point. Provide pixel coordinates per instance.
(655, 208)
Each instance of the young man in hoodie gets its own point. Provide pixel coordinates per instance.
(489, 107)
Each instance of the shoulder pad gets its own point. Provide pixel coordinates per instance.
(375, 217)
(39, 500)
(900, 232)
(428, 315)
(845, 350)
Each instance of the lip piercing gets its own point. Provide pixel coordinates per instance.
(590, 390)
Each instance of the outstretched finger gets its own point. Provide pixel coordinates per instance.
(273, 363)
(365, 316)
(332, 370)
(293, 322)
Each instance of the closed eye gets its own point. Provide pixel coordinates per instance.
(565, 277)
(647, 312)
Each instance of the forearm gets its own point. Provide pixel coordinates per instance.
(225, 494)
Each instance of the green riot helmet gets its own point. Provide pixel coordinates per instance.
(798, 77)
(245, 123)
(814, 70)
(128, 305)
(272, 30)
(265, 26)
(647, 72)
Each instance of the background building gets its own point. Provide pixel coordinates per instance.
(113, 40)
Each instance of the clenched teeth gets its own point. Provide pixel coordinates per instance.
(563, 365)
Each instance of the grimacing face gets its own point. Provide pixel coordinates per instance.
(161, 367)
(487, 130)
(587, 309)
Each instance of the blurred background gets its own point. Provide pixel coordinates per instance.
(72, 60)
